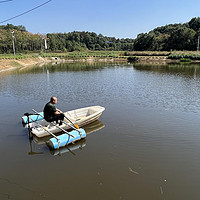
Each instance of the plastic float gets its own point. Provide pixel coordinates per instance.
(65, 139)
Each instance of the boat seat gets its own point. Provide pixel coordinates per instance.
(90, 112)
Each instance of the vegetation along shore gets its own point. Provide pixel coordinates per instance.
(169, 43)
(9, 61)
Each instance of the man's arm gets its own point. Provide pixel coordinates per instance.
(58, 111)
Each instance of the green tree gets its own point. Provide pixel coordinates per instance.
(194, 23)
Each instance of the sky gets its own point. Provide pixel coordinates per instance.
(113, 18)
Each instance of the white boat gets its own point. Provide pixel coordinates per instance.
(81, 117)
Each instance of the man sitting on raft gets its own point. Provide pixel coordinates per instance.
(51, 113)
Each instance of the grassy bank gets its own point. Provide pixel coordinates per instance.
(106, 54)
(9, 61)
(184, 55)
(86, 54)
(77, 54)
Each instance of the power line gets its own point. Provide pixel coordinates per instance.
(5, 1)
(25, 12)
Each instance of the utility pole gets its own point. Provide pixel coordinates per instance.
(198, 45)
(13, 41)
(41, 43)
(45, 44)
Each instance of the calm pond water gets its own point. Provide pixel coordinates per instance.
(145, 146)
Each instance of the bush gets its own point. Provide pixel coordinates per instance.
(132, 58)
(184, 56)
(185, 60)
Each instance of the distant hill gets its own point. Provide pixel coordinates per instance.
(170, 37)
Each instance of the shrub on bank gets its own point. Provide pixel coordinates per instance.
(184, 56)
(132, 58)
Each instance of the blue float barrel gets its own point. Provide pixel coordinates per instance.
(33, 118)
(66, 139)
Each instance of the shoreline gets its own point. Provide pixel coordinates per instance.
(12, 64)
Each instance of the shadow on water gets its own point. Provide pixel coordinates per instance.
(90, 128)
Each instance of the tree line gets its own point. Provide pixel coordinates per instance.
(58, 42)
(170, 37)
(78, 41)
(164, 38)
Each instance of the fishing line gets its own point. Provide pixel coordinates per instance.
(5, 1)
(25, 12)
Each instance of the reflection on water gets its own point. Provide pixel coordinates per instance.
(149, 148)
(63, 67)
(174, 86)
(185, 70)
(32, 151)
(70, 148)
